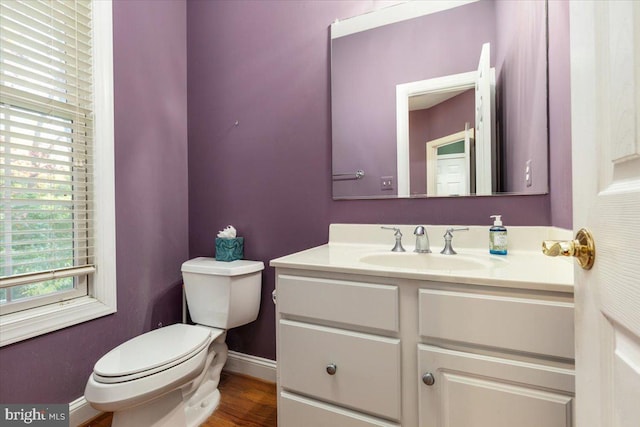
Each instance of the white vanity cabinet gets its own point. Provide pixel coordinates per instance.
(361, 350)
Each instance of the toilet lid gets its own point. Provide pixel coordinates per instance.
(151, 352)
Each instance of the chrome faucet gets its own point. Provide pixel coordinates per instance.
(448, 236)
(398, 246)
(422, 240)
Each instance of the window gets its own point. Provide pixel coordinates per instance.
(56, 165)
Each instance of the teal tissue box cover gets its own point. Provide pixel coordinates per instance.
(229, 249)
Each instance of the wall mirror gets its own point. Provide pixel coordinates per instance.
(440, 99)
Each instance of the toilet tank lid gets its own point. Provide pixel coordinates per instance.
(205, 265)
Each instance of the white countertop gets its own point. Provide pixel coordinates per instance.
(524, 267)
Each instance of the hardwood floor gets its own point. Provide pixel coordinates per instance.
(246, 402)
(103, 420)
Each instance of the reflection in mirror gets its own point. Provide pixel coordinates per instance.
(434, 108)
(449, 163)
(402, 87)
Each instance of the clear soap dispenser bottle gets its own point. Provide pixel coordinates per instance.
(497, 237)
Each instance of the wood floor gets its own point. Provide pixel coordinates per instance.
(246, 402)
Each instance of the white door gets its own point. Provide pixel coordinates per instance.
(450, 174)
(605, 99)
(484, 122)
(452, 179)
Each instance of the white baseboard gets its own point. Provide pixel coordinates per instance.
(80, 411)
(253, 366)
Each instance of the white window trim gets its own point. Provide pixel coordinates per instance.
(101, 300)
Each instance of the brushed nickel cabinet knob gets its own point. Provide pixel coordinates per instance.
(428, 379)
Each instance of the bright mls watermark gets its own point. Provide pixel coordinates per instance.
(34, 415)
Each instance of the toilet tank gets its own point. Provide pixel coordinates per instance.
(222, 294)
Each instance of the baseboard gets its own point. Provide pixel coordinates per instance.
(80, 411)
(253, 366)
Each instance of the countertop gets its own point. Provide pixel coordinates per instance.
(521, 268)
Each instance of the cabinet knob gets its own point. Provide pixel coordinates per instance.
(428, 379)
(331, 369)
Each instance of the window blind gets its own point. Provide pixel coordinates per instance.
(46, 146)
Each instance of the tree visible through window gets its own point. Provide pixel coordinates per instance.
(46, 152)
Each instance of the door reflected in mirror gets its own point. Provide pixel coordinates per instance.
(431, 110)
(476, 69)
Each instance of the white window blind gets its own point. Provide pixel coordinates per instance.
(46, 152)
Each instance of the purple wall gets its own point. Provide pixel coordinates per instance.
(432, 123)
(560, 115)
(151, 208)
(367, 66)
(254, 63)
(521, 98)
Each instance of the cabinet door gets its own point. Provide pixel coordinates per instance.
(471, 390)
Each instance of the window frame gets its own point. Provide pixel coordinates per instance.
(101, 298)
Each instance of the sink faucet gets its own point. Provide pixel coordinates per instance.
(448, 236)
(398, 246)
(422, 240)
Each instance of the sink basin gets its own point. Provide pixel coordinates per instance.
(434, 262)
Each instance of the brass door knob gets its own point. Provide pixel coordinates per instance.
(582, 247)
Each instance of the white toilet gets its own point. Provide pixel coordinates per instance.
(169, 376)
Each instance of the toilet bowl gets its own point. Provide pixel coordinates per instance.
(169, 376)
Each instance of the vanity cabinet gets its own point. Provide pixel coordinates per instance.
(360, 350)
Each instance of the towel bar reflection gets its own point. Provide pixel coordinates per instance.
(346, 176)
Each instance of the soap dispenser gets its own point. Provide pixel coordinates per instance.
(497, 237)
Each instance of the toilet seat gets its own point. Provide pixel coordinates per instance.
(151, 353)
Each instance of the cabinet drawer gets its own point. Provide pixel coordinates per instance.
(367, 376)
(476, 390)
(354, 303)
(529, 325)
(296, 411)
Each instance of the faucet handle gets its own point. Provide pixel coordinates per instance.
(396, 229)
(448, 236)
(398, 234)
(450, 231)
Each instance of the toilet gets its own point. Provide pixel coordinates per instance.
(169, 376)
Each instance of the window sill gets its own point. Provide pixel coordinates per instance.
(26, 324)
